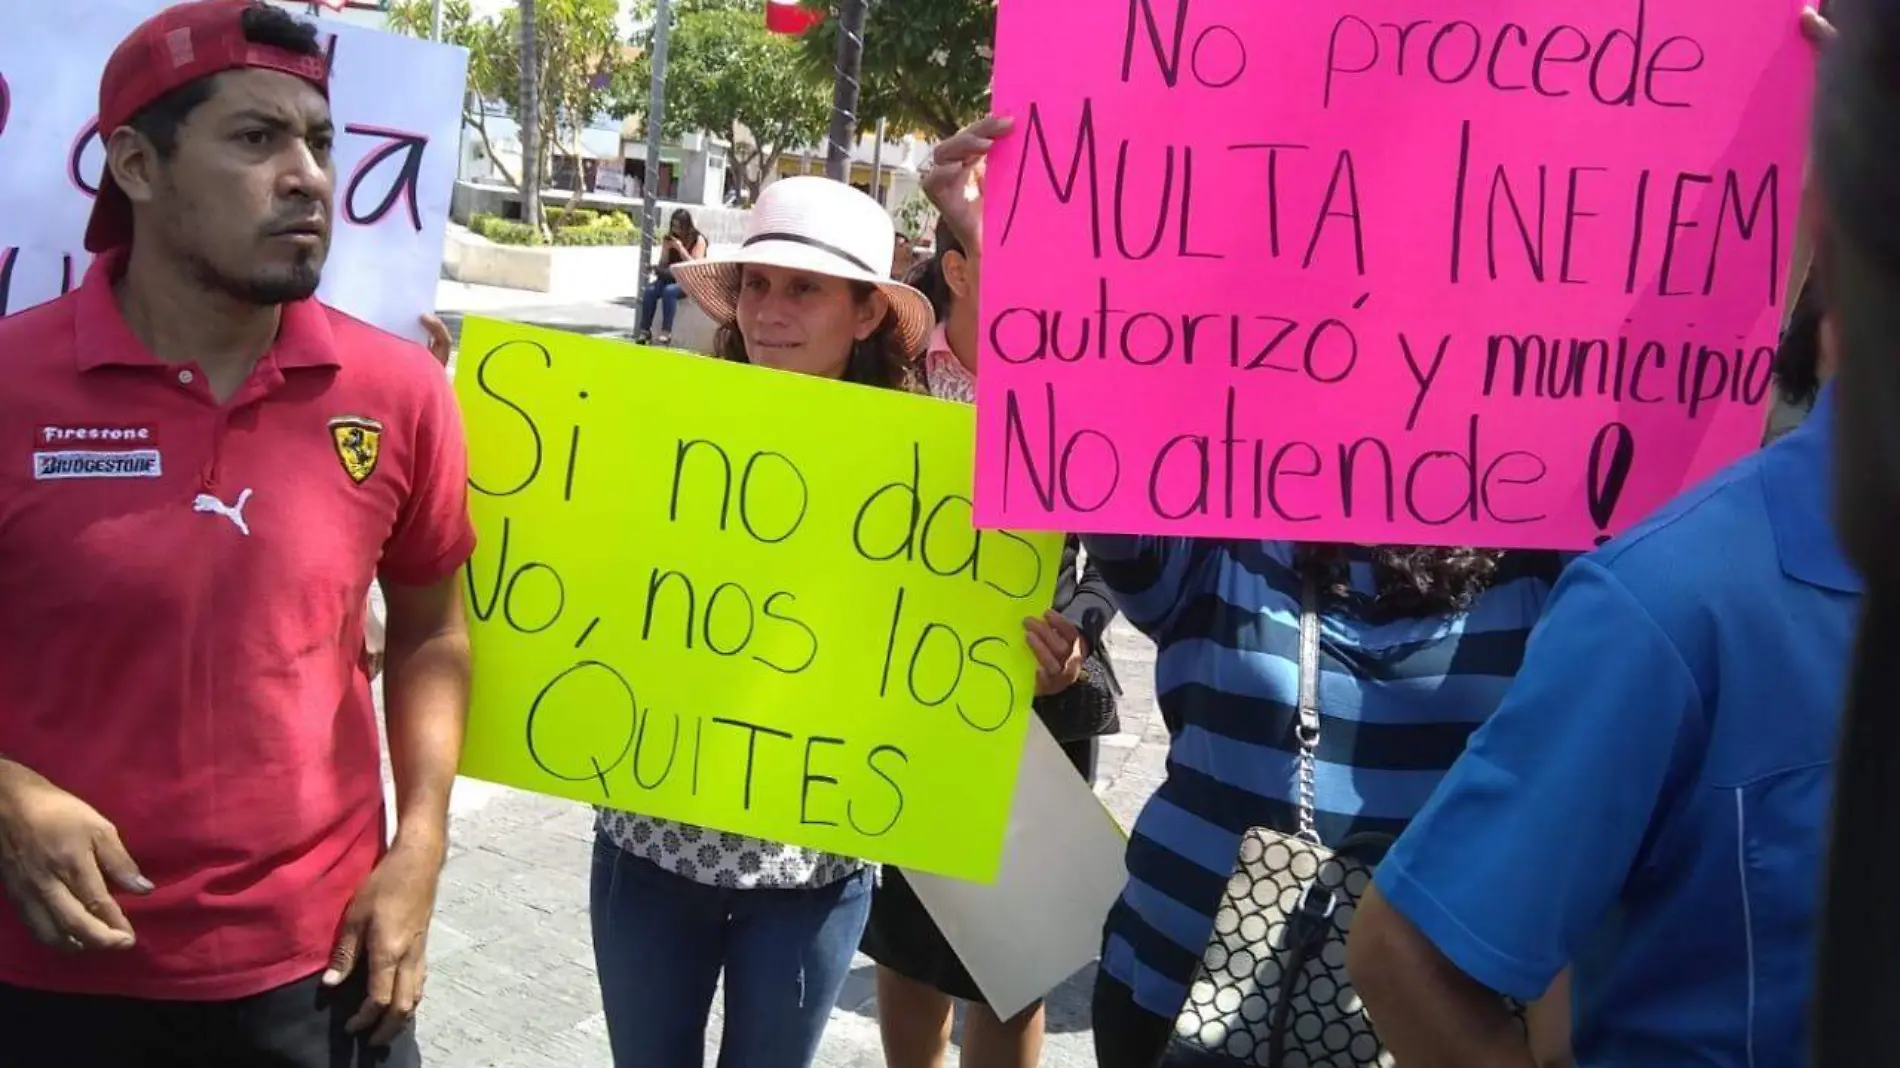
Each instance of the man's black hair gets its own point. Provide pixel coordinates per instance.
(264, 25)
(1797, 367)
(928, 276)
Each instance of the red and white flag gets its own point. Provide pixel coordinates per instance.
(788, 16)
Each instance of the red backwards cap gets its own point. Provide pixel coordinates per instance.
(177, 46)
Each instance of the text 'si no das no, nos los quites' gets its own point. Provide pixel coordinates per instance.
(779, 622)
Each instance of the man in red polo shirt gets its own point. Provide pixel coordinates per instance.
(211, 467)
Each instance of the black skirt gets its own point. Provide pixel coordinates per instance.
(901, 935)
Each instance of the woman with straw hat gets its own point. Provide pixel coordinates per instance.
(810, 289)
(674, 906)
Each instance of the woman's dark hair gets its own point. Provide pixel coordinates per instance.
(1410, 581)
(928, 276)
(1797, 368)
(879, 360)
(692, 231)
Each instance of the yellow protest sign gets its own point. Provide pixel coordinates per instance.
(744, 599)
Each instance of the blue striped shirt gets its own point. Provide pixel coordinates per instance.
(1398, 699)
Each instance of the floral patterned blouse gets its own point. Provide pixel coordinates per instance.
(943, 376)
(720, 858)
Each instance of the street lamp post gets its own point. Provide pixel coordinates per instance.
(656, 114)
(845, 86)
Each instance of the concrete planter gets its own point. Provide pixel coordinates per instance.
(579, 274)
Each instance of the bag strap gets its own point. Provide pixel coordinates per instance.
(1309, 707)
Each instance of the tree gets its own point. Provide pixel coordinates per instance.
(578, 52)
(926, 62)
(493, 61)
(533, 125)
(727, 75)
(584, 54)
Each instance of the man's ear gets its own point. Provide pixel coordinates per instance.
(133, 163)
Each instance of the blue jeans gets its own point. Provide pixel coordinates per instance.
(659, 292)
(661, 941)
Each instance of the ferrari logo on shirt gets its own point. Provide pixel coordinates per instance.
(359, 444)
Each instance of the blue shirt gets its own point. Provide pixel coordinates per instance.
(1398, 700)
(1651, 801)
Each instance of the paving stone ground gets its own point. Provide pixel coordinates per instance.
(512, 970)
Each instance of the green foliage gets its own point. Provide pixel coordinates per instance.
(585, 236)
(572, 228)
(493, 60)
(926, 62)
(567, 217)
(916, 216)
(578, 48)
(508, 232)
(583, 53)
(727, 75)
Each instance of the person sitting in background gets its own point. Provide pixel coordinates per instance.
(684, 243)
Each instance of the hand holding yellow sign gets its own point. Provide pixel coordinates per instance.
(742, 599)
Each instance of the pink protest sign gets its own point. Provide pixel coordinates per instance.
(1500, 273)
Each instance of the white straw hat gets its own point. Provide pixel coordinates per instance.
(810, 223)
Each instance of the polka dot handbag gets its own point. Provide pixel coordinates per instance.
(1272, 989)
